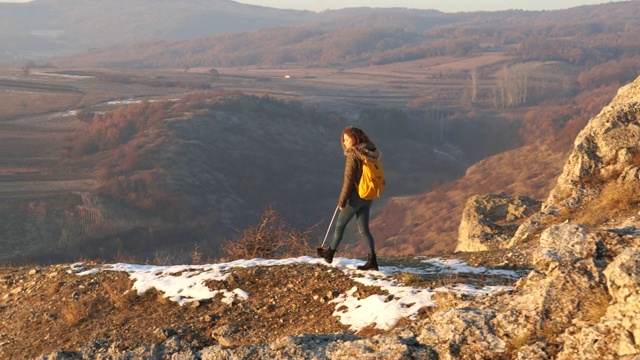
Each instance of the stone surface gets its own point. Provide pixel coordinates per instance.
(605, 151)
(462, 333)
(489, 221)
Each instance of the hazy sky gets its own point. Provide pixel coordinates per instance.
(446, 6)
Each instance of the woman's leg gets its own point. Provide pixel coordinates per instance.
(343, 219)
(362, 217)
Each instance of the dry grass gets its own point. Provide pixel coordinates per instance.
(518, 342)
(54, 288)
(593, 307)
(76, 312)
(614, 200)
(120, 292)
(410, 279)
(445, 300)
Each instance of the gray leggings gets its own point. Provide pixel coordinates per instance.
(360, 209)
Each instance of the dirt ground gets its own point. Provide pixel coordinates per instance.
(51, 308)
(64, 311)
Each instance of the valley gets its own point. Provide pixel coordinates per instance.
(44, 109)
(118, 151)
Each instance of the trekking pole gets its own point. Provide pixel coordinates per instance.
(331, 223)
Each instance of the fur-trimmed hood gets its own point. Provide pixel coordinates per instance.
(364, 150)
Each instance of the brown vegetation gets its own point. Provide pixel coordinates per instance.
(615, 200)
(272, 238)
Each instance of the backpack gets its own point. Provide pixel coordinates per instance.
(372, 181)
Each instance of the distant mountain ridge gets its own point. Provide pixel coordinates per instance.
(38, 30)
(70, 25)
(46, 28)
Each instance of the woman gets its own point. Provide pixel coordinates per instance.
(356, 146)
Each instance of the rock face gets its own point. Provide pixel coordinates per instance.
(581, 300)
(489, 221)
(606, 151)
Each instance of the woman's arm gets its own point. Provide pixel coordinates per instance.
(350, 180)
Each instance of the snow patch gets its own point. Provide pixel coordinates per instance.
(186, 283)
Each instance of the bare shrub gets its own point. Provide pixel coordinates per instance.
(76, 312)
(272, 238)
(409, 279)
(196, 256)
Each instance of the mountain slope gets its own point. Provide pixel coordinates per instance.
(200, 168)
(70, 25)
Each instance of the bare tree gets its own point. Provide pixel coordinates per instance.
(512, 83)
(214, 73)
(473, 77)
(26, 68)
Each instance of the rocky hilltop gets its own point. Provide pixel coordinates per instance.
(580, 299)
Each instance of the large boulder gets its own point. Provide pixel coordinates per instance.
(617, 333)
(489, 221)
(463, 333)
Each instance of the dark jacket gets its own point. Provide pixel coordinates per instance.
(353, 169)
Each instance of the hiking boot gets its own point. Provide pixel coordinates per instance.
(371, 264)
(326, 254)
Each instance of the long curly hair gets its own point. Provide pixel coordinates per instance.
(357, 135)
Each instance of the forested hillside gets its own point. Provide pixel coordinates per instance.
(583, 36)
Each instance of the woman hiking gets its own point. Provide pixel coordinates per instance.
(357, 147)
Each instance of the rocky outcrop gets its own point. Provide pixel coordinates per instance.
(606, 151)
(490, 221)
(617, 334)
(310, 346)
(580, 302)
